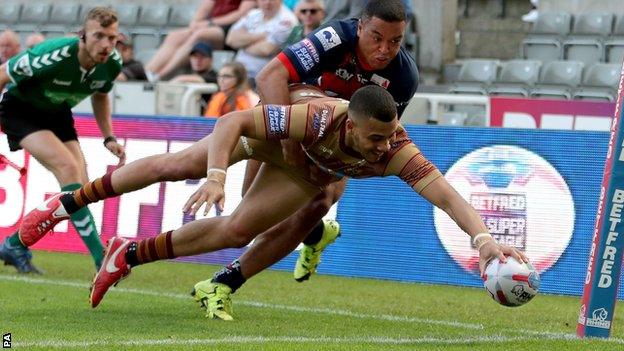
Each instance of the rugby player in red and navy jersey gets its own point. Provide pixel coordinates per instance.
(339, 57)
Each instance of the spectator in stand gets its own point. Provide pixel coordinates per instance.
(310, 13)
(9, 45)
(34, 39)
(199, 69)
(260, 34)
(211, 23)
(234, 93)
(131, 69)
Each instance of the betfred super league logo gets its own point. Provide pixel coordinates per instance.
(518, 194)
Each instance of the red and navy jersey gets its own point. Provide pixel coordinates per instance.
(327, 58)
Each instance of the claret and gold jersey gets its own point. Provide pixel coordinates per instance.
(319, 124)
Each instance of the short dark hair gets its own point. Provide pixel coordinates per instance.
(386, 10)
(373, 101)
(103, 15)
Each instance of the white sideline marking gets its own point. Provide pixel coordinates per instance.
(255, 339)
(254, 303)
(233, 339)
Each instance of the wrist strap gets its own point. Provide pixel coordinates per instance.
(216, 170)
(216, 175)
(109, 138)
(481, 239)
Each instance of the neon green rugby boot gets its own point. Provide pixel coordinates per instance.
(310, 255)
(215, 298)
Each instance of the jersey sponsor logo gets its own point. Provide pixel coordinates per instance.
(328, 38)
(306, 54)
(22, 67)
(320, 122)
(381, 81)
(97, 84)
(276, 120)
(344, 74)
(62, 82)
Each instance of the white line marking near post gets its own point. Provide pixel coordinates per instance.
(254, 303)
(235, 339)
(254, 339)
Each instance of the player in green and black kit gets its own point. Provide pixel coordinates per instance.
(43, 84)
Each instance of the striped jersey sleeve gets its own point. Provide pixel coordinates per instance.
(408, 163)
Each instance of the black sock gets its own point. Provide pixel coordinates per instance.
(69, 203)
(315, 235)
(131, 254)
(230, 275)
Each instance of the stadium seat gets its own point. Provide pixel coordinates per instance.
(34, 14)
(474, 76)
(127, 14)
(614, 46)
(453, 118)
(588, 50)
(544, 42)
(593, 23)
(586, 43)
(614, 51)
(416, 111)
(153, 16)
(62, 18)
(147, 40)
(412, 42)
(600, 82)
(516, 77)
(23, 34)
(221, 57)
(618, 30)
(554, 23)
(84, 9)
(9, 14)
(557, 79)
(144, 56)
(147, 33)
(181, 16)
(544, 49)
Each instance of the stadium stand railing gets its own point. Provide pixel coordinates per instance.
(162, 98)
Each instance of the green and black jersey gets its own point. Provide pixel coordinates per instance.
(50, 77)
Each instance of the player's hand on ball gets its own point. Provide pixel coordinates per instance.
(493, 250)
(209, 193)
(118, 150)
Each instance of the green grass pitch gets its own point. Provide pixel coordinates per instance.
(152, 310)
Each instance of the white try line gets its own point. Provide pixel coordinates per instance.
(252, 303)
(531, 333)
(234, 339)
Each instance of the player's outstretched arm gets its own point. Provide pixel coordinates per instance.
(102, 112)
(441, 194)
(223, 140)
